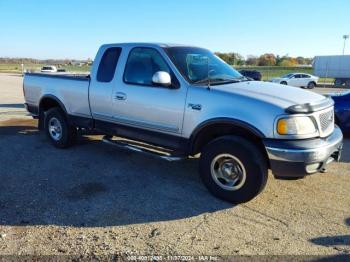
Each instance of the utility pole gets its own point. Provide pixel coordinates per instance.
(345, 37)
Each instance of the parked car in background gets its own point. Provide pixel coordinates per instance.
(342, 110)
(336, 66)
(253, 74)
(49, 69)
(298, 80)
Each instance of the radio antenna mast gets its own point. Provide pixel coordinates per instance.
(208, 73)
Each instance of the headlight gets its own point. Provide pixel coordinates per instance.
(297, 125)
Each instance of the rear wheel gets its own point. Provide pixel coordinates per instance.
(233, 169)
(58, 130)
(311, 85)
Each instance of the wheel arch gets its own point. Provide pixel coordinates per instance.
(47, 102)
(50, 101)
(214, 128)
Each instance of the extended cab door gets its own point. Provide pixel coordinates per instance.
(103, 82)
(140, 103)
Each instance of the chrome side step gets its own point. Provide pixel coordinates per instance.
(144, 149)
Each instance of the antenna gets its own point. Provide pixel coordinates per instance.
(208, 73)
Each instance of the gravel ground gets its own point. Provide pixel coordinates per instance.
(93, 199)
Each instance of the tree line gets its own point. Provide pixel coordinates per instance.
(230, 58)
(7, 60)
(264, 60)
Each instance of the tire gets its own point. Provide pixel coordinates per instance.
(311, 85)
(250, 163)
(284, 83)
(58, 130)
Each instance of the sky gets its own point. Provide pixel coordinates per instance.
(76, 28)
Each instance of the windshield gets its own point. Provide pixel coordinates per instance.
(199, 66)
(287, 76)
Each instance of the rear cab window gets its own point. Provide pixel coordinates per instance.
(108, 64)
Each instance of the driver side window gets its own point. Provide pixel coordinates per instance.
(142, 64)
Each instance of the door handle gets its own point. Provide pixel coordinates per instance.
(120, 96)
(195, 106)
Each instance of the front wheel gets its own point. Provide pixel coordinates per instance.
(233, 169)
(58, 130)
(284, 83)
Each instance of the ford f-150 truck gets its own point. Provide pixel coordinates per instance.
(175, 101)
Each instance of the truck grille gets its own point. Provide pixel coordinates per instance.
(326, 122)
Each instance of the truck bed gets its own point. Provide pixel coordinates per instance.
(63, 75)
(70, 89)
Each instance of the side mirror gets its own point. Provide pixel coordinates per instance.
(161, 78)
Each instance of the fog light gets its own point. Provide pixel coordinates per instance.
(312, 168)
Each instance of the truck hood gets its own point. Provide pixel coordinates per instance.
(279, 95)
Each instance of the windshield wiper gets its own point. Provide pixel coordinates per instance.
(243, 78)
(217, 81)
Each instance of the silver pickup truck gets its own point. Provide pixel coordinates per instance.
(174, 101)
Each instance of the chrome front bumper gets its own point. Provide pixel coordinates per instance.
(297, 158)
